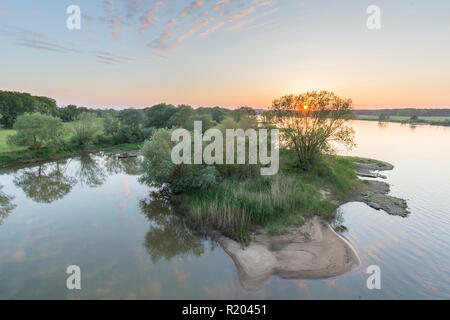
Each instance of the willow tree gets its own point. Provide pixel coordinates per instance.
(312, 122)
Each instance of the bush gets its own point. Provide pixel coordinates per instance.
(85, 129)
(159, 170)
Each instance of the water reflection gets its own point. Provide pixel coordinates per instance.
(49, 182)
(383, 124)
(45, 183)
(115, 165)
(6, 206)
(169, 236)
(89, 173)
(338, 222)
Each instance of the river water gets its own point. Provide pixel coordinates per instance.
(129, 244)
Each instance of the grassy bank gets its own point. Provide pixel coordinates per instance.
(237, 207)
(13, 155)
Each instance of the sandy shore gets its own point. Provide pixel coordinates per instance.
(313, 250)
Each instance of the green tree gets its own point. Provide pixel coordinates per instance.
(159, 170)
(241, 112)
(110, 125)
(36, 130)
(69, 113)
(158, 116)
(206, 120)
(85, 129)
(309, 122)
(14, 104)
(130, 125)
(181, 117)
(218, 114)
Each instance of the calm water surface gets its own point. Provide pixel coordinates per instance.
(93, 212)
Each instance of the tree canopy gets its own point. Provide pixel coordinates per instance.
(35, 130)
(13, 104)
(311, 121)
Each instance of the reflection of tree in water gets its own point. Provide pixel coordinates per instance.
(45, 183)
(169, 235)
(383, 124)
(89, 172)
(5, 205)
(114, 165)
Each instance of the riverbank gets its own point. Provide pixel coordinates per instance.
(24, 157)
(303, 244)
(235, 207)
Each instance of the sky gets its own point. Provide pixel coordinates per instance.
(230, 53)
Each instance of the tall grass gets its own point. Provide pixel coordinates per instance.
(237, 207)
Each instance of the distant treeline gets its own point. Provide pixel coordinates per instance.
(410, 112)
(13, 104)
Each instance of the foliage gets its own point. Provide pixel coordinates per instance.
(241, 112)
(131, 118)
(238, 170)
(310, 122)
(159, 170)
(181, 117)
(85, 129)
(158, 115)
(110, 125)
(383, 117)
(237, 206)
(14, 104)
(36, 130)
(217, 114)
(70, 113)
(206, 120)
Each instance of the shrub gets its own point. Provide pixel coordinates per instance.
(159, 170)
(85, 129)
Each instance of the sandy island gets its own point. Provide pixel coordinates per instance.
(313, 250)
